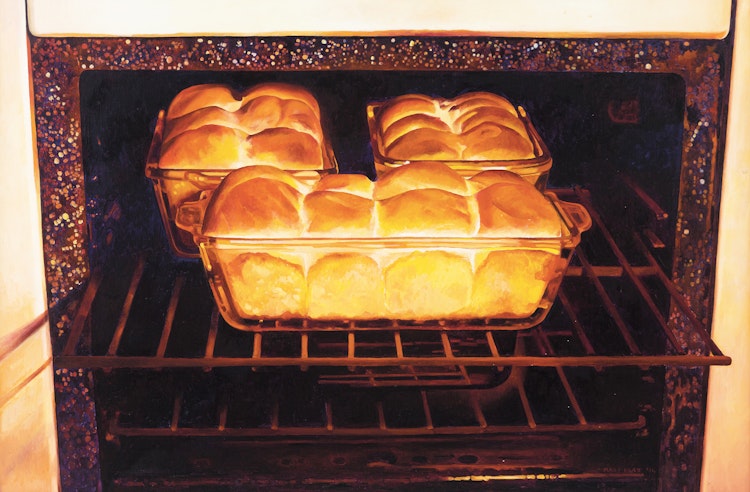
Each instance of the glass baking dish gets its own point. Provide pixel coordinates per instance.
(535, 170)
(504, 282)
(173, 187)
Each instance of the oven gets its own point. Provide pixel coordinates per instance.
(610, 391)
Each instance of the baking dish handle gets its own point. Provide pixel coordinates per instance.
(578, 215)
(189, 215)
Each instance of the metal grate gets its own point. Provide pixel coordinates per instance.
(181, 371)
(164, 318)
(518, 405)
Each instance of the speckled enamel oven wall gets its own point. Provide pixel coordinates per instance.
(59, 63)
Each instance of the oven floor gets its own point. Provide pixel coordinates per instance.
(524, 462)
(239, 429)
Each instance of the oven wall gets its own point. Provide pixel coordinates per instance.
(727, 448)
(27, 419)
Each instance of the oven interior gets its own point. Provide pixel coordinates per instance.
(185, 401)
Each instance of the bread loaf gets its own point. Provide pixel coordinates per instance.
(271, 123)
(353, 272)
(476, 126)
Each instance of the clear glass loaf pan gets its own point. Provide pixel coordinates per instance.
(173, 187)
(535, 170)
(511, 282)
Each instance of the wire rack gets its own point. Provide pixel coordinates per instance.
(609, 312)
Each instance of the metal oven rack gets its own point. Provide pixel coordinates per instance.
(386, 380)
(636, 335)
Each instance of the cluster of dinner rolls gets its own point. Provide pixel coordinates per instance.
(396, 248)
(211, 126)
(476, 126)
(210, 130)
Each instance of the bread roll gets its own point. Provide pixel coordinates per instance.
(265, 286)
(470, 100)
(426, 213)
(285, 148)
(296, 115)
(510, 284)
(490, 141)
(203, 96)
(405, 106)
(355, 184)
(260, 113)
(346, 286)
(420, 175)
(283, 91)
(494, 176)
(468, 119)
(208, 147)
(200, 117)
(256, 208)
(336, 214)
(407, 124)
(260, 171)
(426, 144)
(428, 285)
(516, 210)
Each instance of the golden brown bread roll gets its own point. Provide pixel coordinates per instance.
(405, 106)
(211, 115)
(469, 100)
(355, 184)
(266, 286)
(428, 285)
(336, 214)
(516, 210)
(256, 208)
(284, 147)
(346, 286)
(425, 144)
(260, 113)
(430, 213)
(511, 283)
(420, 175)
(486, 178)
(207, 147)
(203, 96)
(407, 124)
(296, 115)
(259, 171)
(490, 141)
(468, 119)
(285, 91)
